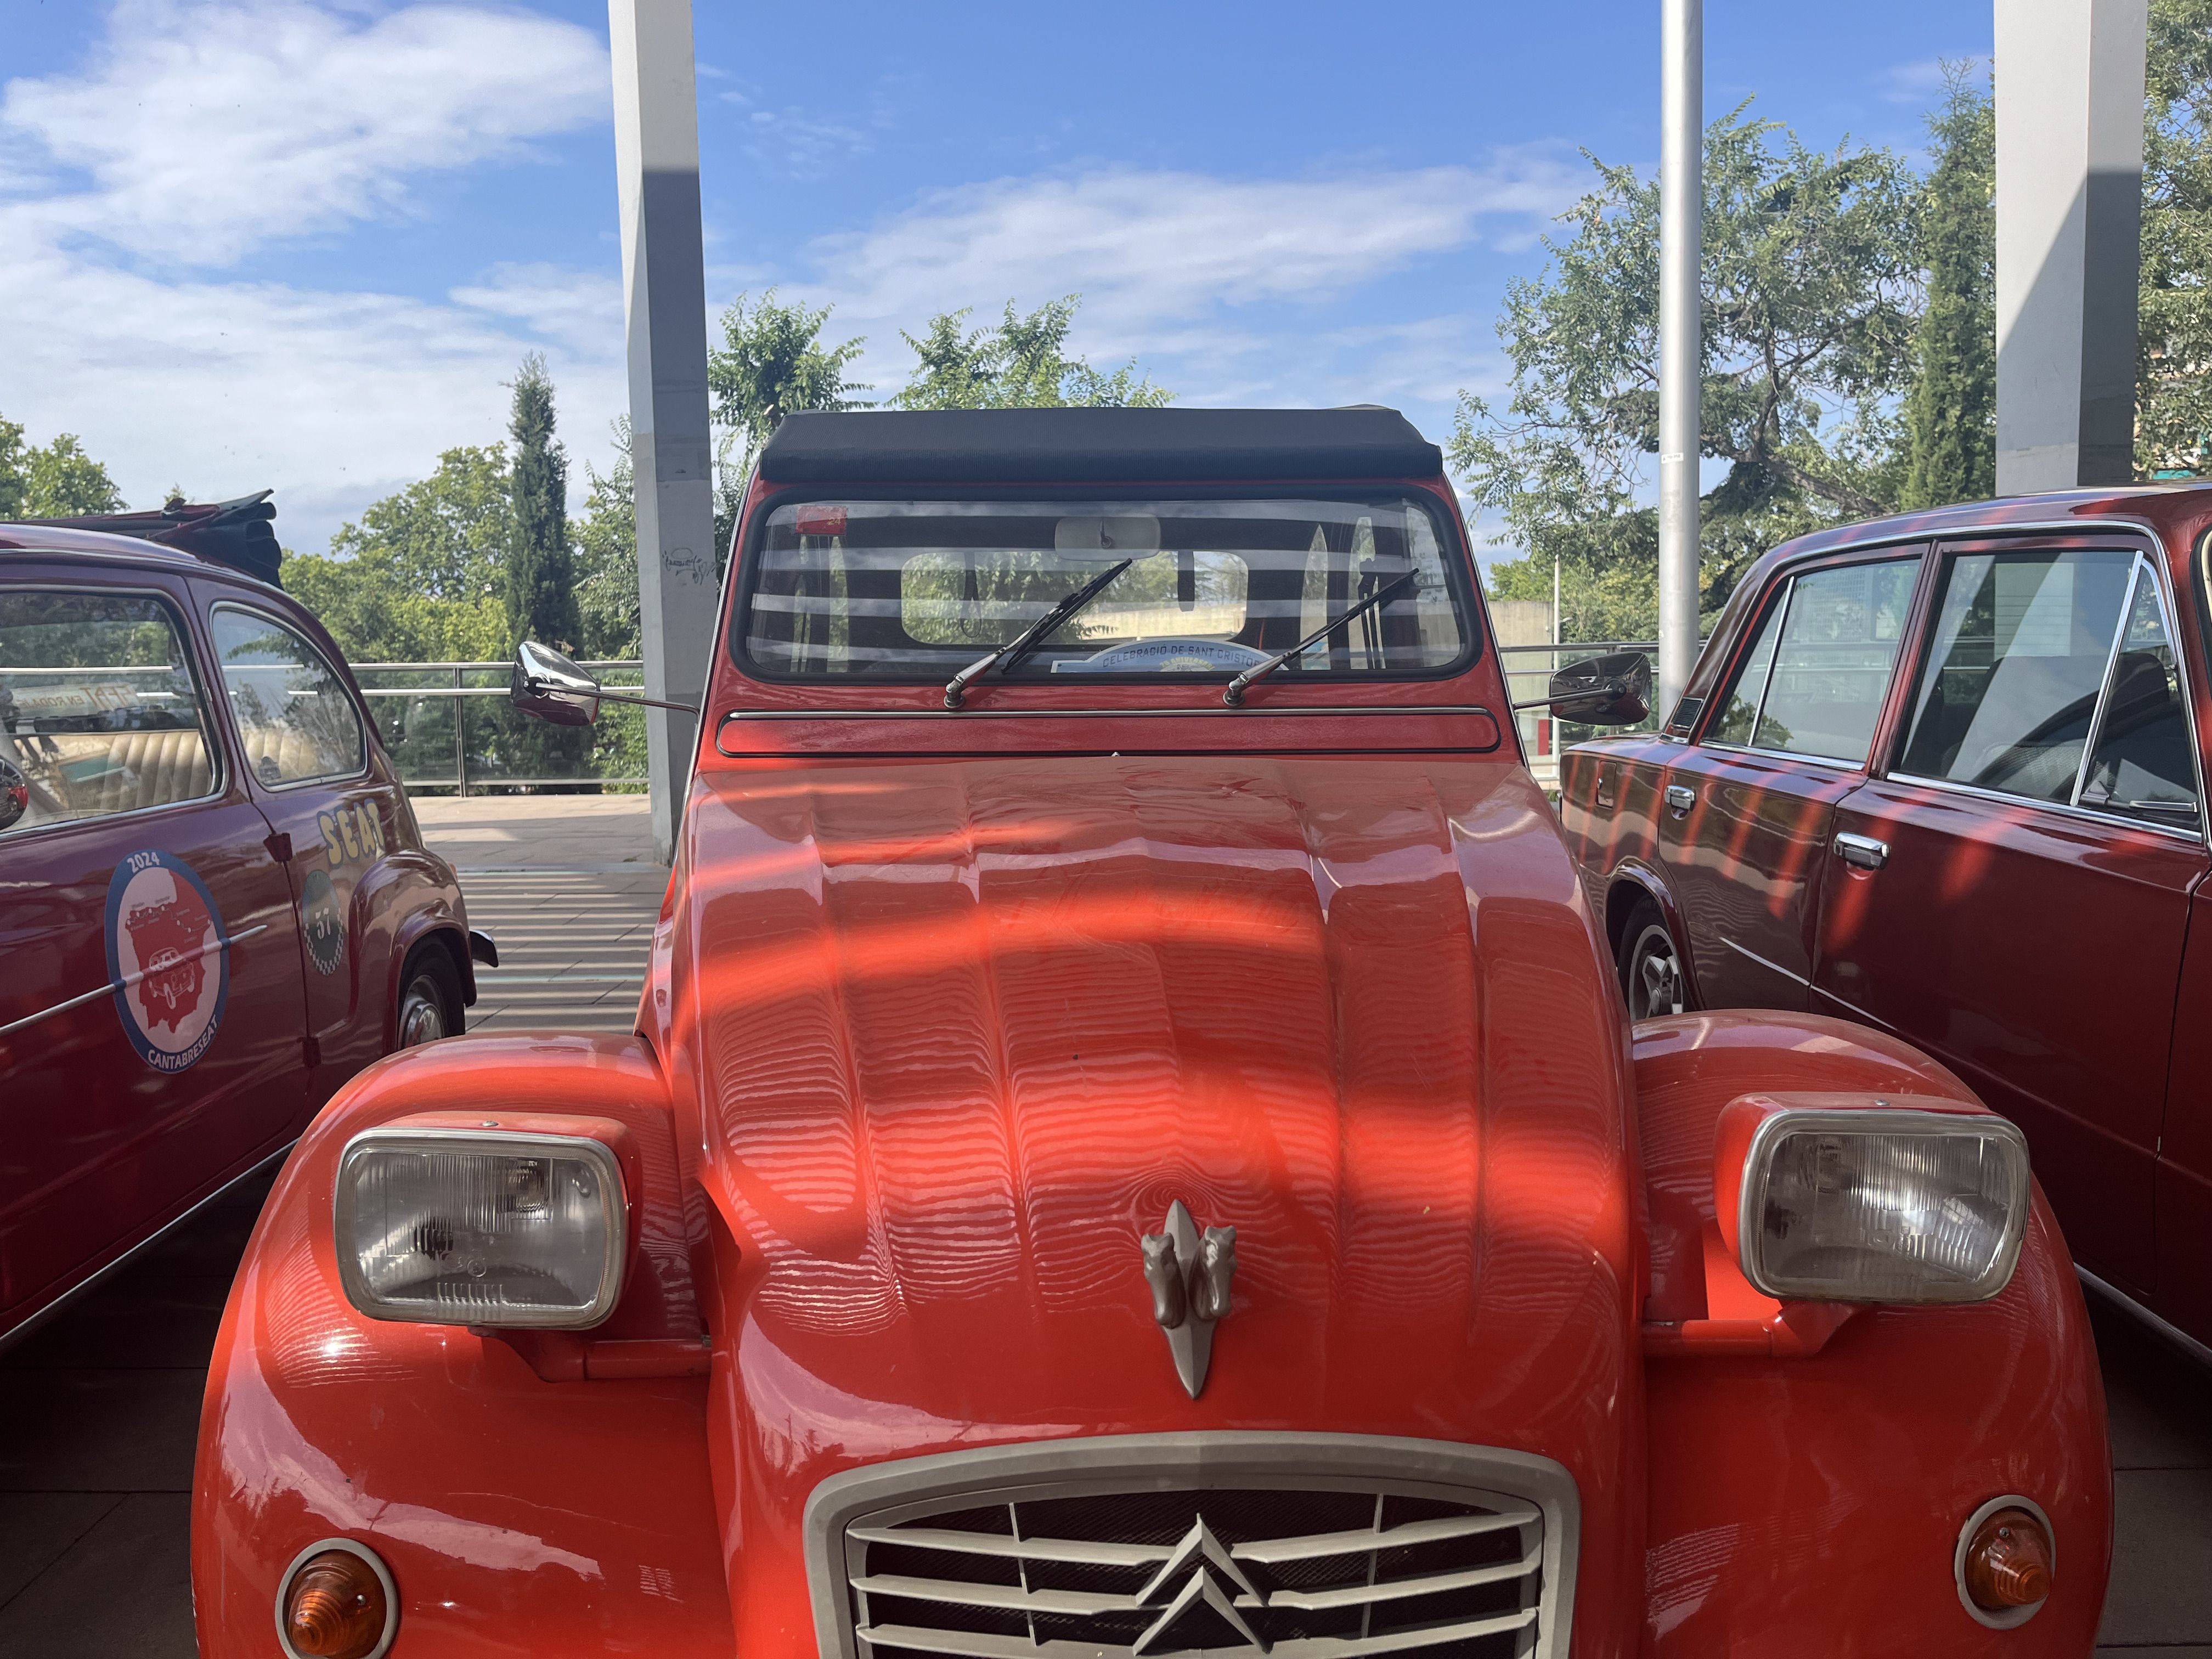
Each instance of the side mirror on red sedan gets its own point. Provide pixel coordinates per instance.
(1613, 689)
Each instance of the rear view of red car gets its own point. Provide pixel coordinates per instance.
(214, 905)
(1941, 775)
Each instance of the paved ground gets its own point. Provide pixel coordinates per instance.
(98, 1410)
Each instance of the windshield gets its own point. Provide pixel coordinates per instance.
(915, 590)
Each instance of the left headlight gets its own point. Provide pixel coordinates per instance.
(453, 1226)
(1894, 1200)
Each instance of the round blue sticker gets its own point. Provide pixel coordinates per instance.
(167, 958)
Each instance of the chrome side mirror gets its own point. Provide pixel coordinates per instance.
(550, 686)
(1613, 689)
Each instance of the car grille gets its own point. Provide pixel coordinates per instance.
(1325, 1568)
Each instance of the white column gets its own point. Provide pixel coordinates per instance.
(2070, 91)
(1682, 236)
(665, 297)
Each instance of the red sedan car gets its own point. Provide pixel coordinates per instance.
(1941, 775)
(214, 906)
(1131, 1146)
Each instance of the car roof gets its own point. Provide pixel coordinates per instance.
(32, 541)
(1085, 445)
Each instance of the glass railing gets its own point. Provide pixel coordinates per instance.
(449, 725)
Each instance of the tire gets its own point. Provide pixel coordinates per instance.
(429, 1006)
(1651, 965)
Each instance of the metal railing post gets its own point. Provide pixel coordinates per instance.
(460, 738)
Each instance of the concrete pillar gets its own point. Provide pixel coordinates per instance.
(665, 297)
(1681, 344)
(2069, 92)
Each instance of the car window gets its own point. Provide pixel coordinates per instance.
(2017, 653)
(2142, 765)
(1740, 712)
(99, 710)
(293, 715)
(917, 590)
(1814, 681)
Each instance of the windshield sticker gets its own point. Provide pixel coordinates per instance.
(167, 959)
(322, 922)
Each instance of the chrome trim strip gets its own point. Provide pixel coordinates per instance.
(2090, 815)
(1851, 1008)
(1190, 1460)
(2189, 1346)
(1940, 538)
(129, 979)
(1828, 761)
(1797, 978)
(2105, 680)
(1243, 712)
(68, 1297)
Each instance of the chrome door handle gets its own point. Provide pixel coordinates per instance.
(1863, 851)
(1679, 799)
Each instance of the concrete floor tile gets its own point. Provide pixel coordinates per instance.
(72, 1608)
(2159, 1400)
(95, 1430)
(2161, 1588)
(38, 1527)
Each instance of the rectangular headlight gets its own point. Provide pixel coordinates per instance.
(459, 1227)
(1881, 1205)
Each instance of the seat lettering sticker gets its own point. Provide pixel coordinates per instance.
(322, 922)
(351, 833)
(167, 958)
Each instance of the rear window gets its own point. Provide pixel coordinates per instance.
(916, 590)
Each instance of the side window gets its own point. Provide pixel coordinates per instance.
(1739, 714)
(293, 715)
(1814, 679)
(1833, 665)
(100, 712)
(2016, 658)
(2142, 766)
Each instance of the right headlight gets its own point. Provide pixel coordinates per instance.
(488, 1226)
(1899, 1201)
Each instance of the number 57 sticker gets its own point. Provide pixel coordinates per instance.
(352, 833)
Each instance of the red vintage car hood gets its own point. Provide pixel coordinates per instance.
(965, 1029)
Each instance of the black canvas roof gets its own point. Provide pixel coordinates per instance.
(1084, 446)
(236, 533)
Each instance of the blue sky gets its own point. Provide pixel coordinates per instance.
(278, 242)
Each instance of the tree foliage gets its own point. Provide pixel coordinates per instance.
(1810, 286)
(1019, 362)
(2173, 397)
(541, 570)
(606, 556)
(56, 480)
(420, 578)
(1950, 413)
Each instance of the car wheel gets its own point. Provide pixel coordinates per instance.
(429, 997)
(1651, 966)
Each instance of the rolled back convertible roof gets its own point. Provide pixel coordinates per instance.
(1078, 446)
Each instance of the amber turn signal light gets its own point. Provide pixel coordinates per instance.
(2008, 1562)
(336, 1606)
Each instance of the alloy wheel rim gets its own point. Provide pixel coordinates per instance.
(1658, 975)
(421, 1018)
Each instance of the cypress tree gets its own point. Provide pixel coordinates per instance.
(541, 566)
(1950, 413)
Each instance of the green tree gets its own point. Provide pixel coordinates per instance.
(771, 361)
(2173, 397)
(1021, 362)
(420, 577)
(57, 480)
(1811, 292)
(541, 571)
(606, 556)
(1950, 414)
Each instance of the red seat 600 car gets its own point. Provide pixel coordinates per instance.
(1131, 1147)
(215, 907)
(1939, 774)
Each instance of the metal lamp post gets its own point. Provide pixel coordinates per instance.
(1681, 234)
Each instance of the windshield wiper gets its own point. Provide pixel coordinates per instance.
(1233, 693)
(956, 691)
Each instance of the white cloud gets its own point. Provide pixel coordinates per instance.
(199, 131)
(205, 129)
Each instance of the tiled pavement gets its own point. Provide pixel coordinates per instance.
(98, 1411)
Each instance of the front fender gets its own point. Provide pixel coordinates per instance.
(508, 1505)
(1812, 1504)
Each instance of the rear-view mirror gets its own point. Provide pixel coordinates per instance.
(549, 685)
(1613, 689)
